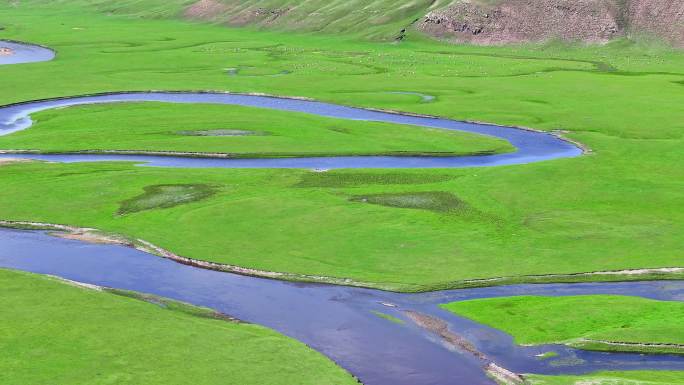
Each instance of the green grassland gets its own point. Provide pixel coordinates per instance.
(619, 208)
(612, 378)
(586, 322)
(81, 336)
(234, 130)
(253, 217)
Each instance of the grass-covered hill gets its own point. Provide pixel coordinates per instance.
(378, 19)
(474, 21)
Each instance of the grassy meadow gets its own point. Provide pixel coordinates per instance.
(234, 130)
(595, 322)
(618, 208)
(612, 378)
(52, 332)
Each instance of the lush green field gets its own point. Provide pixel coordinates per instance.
(612, 378)
(82, 336)
(234, 130)
(616, 209)
(588, 322)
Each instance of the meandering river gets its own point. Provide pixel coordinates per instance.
(531, 146)
(340, 322)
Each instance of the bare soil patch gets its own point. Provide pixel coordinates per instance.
(589, 21)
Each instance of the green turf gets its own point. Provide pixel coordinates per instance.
(583, 321)
(388, 317)
(53, 333)
(547, 355)
(212, 129)
(612, 378)
(619, 208)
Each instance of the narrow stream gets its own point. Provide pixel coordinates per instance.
(531, 146)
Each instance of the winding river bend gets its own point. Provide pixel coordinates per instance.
(531, 146)
(340, 322)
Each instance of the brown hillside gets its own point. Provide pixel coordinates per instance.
(592, 21)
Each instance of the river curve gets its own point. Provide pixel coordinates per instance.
(531, 146)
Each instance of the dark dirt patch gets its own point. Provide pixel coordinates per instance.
(440, 201)
(222, 132)
(165, 196)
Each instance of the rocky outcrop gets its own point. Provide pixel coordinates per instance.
(590, 21)
(662, 18)
(515, 21)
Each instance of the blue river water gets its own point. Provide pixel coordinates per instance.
(339, 321)
(20, 53)
(531, 146)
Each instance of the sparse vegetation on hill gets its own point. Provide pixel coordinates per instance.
(589, 21)
(472, 21)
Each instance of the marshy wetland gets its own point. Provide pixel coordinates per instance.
(288, 205)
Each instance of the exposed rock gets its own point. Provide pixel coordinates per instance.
(517, 21)
(503, 375)
(590, 21)
(441, 328)
(663, 18)
(4, 51)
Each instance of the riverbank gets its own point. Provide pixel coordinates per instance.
(90, 235)
(346, 318)
(213, 350)
(167, 129)
(605, 323)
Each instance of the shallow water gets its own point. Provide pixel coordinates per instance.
(531, 146)
(338, 321)
(25, 53)
(424, 97)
